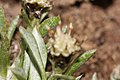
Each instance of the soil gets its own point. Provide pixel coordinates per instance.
(98, 20)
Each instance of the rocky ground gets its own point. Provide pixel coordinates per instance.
(98, 20)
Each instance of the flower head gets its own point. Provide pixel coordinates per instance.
(62, 43)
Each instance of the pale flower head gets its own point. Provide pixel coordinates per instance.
(62, 43)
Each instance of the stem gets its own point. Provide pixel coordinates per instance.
(53, 69)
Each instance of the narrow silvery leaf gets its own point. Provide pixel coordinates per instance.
(16, 64)
(41, 45)
(12, 27)
(26, 63)
(30, 69)
(10, 75)
(34, 76)
(80, 61)
(33, 52)
(19, 73)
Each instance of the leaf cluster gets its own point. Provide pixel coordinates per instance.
(30, 64)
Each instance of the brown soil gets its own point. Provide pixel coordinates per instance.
(98, 20)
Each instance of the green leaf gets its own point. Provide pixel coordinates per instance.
(33, 53)
(21, 61)
(41, 45)
(19, 73)
(4, 58)
(34, 76)
(2, 21)
(30, 69)
(80, 61)
(10, 75)
(4, 46)
(12, 28)
(26, 63)
(48, 23)
(16, 64)
(25, 18)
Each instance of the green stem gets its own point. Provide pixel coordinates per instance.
(53, 69)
